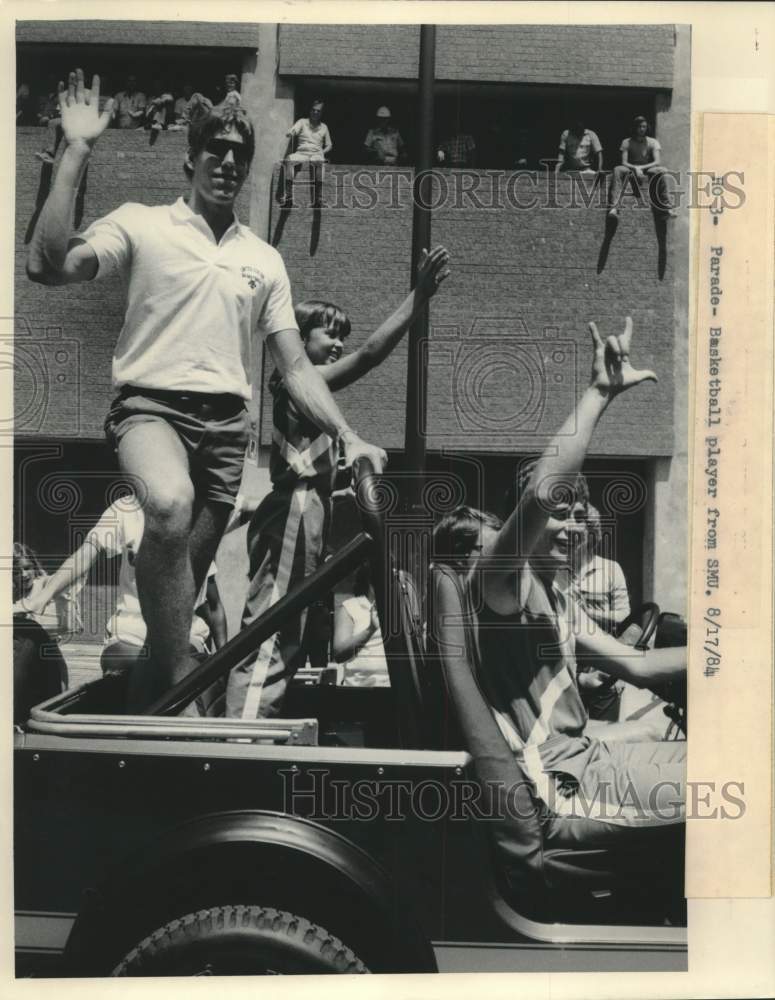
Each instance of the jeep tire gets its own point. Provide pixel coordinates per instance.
(239, 941)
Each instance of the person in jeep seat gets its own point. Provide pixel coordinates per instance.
(532, 628)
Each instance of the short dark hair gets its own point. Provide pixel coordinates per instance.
(315, 312)
(207, 121)
(637, 120)
(456, 534)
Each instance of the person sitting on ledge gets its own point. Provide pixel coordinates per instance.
(313, 144)
(159, 109)
(580, 149)
(129, 105)
(641, 155)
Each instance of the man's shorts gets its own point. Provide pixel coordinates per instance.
(213, 428)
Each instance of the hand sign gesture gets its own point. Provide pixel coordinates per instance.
(612, 372)
(432, 270)
(79, 108)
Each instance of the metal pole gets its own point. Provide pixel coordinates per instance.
(417, 375)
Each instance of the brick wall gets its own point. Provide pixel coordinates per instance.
(334, 50)
(529, 280)
(96, 32)
(589, 55)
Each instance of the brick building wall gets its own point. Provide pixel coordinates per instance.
(589, 55)
(97, 32)
(529, 279)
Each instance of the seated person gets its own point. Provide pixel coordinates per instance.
(383, 143)
(26, 112)
(602, 589)
(119, 532)
(641, 156)
(457, 150)
(182, 106)
(230, 86)
(599, 581)
(57, 612)
(531, 630)
(313, 144)
(357, 637)
(39, 669)
(159, 110)
(580, 149)
(129, 105)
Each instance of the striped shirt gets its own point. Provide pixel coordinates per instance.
(528, 669)
(300, 450)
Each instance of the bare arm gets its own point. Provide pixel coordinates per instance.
(329, 145)
(216, 614)
(54, 257)
(73, 569)
(347, 641)
(556, 470)
(242, 512)
(641, 668)
(599, 160)
(653, 162)
(313, 397)
(348, 369)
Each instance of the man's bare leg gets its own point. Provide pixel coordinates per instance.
(209, 521)
(152, 452)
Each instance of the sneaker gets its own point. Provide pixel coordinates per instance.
(671, 213)
(156, 127)
(613, 213)
(44, 156)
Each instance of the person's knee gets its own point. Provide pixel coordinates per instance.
(621, 170)
(168, 510)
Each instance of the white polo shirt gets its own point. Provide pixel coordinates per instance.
(193, 304)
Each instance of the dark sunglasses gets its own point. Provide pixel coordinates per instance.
(220, 148)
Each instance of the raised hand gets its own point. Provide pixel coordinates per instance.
(612, 372)
(432, 270)
(82, 121)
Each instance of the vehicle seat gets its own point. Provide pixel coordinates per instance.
(39, 669)
(532, 844)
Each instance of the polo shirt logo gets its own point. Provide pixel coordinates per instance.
(252, 276)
